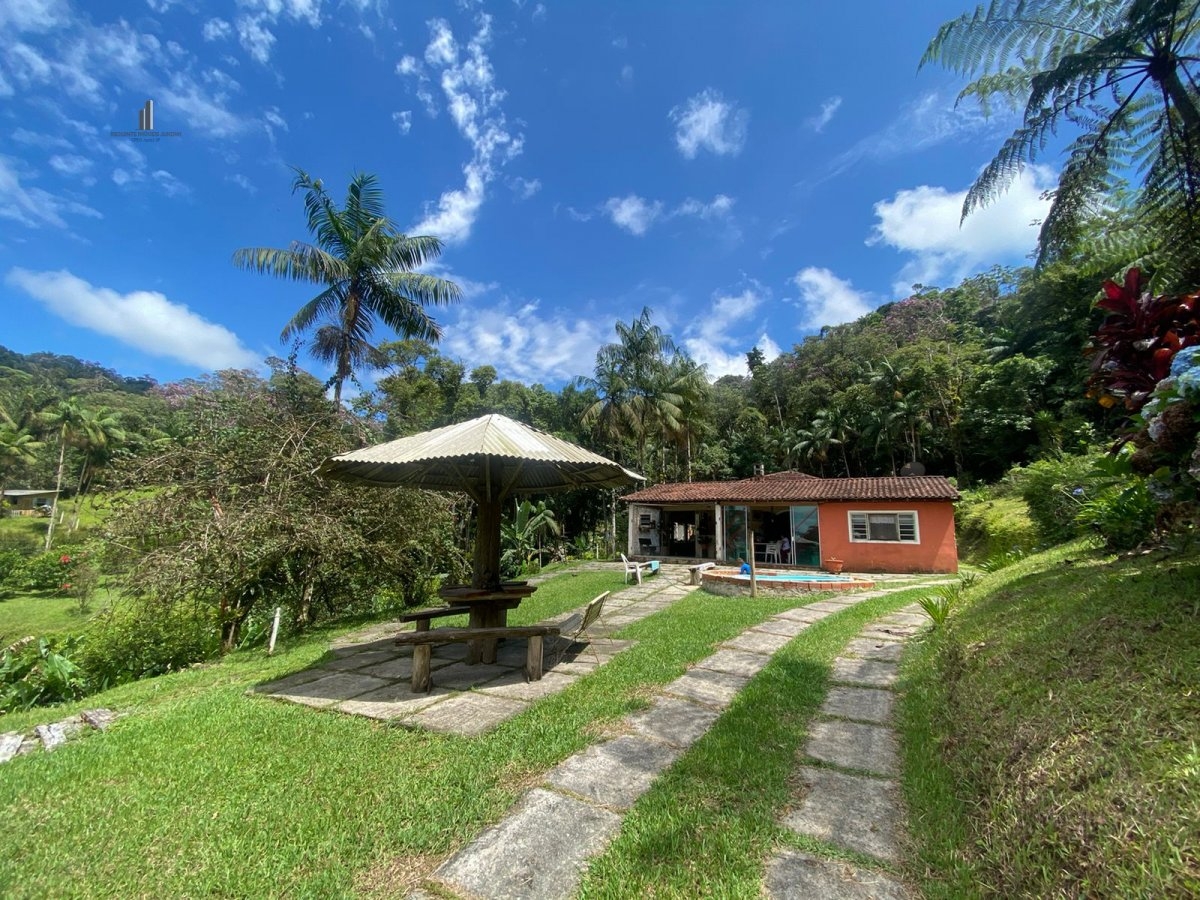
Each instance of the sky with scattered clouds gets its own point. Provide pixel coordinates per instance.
(743, 169)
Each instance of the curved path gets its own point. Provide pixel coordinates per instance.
(538, 851)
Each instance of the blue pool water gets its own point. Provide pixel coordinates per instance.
(795, 576)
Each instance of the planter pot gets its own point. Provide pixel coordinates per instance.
(834, 566)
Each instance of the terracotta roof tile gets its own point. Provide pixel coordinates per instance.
(797, 487)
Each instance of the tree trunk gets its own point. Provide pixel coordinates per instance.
(1169, 79)
(62, 454)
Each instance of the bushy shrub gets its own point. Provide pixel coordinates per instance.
(43, 572)
(1124, 517)
(987, 523)
(1054, 490)
(132, 642)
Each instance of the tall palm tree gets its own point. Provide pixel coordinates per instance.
(17, 447)
(369, 270)
(1122, 73)
(66, 417)
(96, 437)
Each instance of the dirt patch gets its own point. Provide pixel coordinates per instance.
(396, 876)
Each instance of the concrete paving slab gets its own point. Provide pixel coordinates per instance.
(864, 671)
(394, 708)
(851, 811)
(450, 651)
(798, 876)
(866, 704)
(615, 773)
(803, 614)
(516, 687)
(676, 722)
(331, 689)
(854, 745)
(396, 667)
(865, 648)
(877, 633)
(713, 688)
(468, 714)
(735, 662)
(536, 853)
(831, 606)
(296, 679)
(756, 641)
(918, 620)
(461, 677)
(787, 627)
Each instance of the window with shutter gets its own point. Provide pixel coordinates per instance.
(888, 527)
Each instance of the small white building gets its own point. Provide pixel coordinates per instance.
(27, 502)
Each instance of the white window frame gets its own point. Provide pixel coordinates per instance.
(916, 525)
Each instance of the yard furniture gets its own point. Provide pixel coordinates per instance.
(422, 643)
(637, 568)
(575, 626)
(422, 616)
(486, 609)
(696, 571)
(772, 552)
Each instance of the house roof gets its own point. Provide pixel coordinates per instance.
(797, 487)
(26, 492)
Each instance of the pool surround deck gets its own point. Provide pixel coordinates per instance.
(730, 583)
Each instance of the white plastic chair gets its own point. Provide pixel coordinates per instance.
(772, 552)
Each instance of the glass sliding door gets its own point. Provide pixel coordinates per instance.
(735, 533)
(806, 536)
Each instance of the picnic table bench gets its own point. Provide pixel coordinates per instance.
(422, 616)
(696, 570)
(423, 641)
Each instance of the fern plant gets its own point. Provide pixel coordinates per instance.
(1121, 74)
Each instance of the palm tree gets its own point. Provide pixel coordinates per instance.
(66, 417)
(17, 447)
(369, 271)
(96, 437)
(1120, 72)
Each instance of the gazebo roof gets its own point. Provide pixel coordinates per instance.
(798, 487)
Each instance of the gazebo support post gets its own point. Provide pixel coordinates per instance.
(486, 575)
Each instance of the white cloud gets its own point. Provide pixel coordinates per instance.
(216, 30)
(633, 213)
(626, 79)
(828, 110)
(70, 164)
(708, 122)
(146, 320)
(923, 222)
(522, 344)
(34, 207)
(473, 101)
(524, 188)
(272, 120)
(37, 139)
(170, 185)
(637, 214)
(427, 100)
(255, 37)
(826, 299)
(710, 339)
(243, 182)
(933, 118)
(408, 65)
(33, 15)
(403, 121)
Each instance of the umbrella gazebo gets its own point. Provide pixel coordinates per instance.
(491, 459)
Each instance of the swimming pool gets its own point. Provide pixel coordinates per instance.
(729, 583)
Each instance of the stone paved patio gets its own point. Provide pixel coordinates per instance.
(368, 675)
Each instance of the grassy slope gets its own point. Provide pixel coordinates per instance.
(203, 790)
(1053, 732)
(42, 615)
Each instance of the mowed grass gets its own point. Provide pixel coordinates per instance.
(1052, 732)
(708, 825)
(203, 790)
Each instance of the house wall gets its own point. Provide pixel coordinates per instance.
(936, 552)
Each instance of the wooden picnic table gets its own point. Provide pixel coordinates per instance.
(489, 609)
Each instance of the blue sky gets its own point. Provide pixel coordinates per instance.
(750, 171)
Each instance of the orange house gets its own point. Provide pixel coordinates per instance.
(903, 524)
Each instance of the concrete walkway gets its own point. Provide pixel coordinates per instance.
(538, 851)
(370, 676)
(848, 796)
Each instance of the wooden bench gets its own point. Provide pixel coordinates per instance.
(422, 616)
(423, 642)
(696, 571)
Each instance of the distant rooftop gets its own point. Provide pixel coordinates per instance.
(27, 492)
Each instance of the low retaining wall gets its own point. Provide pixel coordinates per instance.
(728, 583)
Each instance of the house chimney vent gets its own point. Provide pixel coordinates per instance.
(759, 470)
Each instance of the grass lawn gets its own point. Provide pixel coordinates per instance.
(43, 614)
(1052, 732)
(204, 790)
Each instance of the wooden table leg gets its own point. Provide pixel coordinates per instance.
(475, 649)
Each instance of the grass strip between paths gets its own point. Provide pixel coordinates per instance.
(707, 826)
